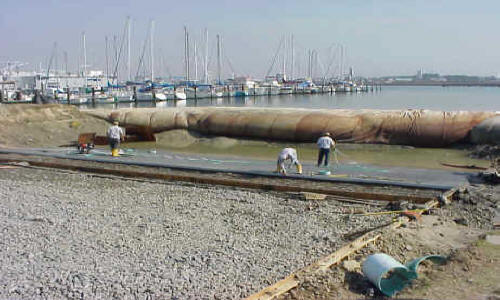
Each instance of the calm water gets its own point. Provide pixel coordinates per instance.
(434, 98)
(380, 155)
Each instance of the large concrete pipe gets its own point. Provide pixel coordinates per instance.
(408, 127)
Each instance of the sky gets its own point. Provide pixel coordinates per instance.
(379, 37)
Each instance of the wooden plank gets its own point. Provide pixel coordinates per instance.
(8, 167)
(390, 212)
(353, 201)
(290, 282)
(312, 196)
(277, 289)
(447, 196)
(431, 204)
(326, 262)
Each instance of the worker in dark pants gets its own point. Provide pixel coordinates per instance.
(115, 136)
(325, 142)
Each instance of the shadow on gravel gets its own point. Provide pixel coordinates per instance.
(359, 284)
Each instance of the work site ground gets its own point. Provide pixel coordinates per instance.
(191, 233)
(161, 224)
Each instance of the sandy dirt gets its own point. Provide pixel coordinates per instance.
(26, 125)
(472, 270)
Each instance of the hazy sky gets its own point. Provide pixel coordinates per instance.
(381, 37)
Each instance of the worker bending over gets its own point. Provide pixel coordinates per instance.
(325, 142)
(115, 135)
(288, 154)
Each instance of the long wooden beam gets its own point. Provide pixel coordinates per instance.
(290, 282)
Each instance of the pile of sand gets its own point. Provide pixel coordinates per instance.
(181, 138)
(26, 125)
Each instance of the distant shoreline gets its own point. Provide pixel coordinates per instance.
(443, 84)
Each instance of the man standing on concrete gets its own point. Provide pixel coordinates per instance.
(115, 135)
(325, 142)
(288, 154)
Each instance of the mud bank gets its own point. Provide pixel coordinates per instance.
(410, 127)
(25, 125)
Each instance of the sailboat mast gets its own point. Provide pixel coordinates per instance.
(195, 62)
(341, 61)
(284, 58)
(50, 64)
(186, 52)
(84, 59)
(313, 63)
(129, 25)
(309, 63)
(107, 61)
(56, 65)
(292, 58)
(151, 50)
(66, 62)
(218, 59)
(345, 61)
(206, 56)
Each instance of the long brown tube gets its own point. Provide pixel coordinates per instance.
(407, 127)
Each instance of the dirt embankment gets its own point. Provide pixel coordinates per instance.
(25, 125)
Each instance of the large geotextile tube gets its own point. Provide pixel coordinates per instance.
(402, 127)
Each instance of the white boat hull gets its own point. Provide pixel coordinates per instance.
(180, 96)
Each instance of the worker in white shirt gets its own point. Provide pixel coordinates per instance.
(115, 135)
(325, 142)
(291, 155)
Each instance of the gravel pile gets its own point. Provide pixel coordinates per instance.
(485, 151)
(475, 206)
(80, 236)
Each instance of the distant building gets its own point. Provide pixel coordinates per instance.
(431, 76)
(403, 79)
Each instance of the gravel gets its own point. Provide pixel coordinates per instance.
(81, 236)
(475, 206)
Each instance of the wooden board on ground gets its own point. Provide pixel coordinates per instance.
(290, 282)
(277, 289)
(312, 196)
(326, 262)
(8, 167)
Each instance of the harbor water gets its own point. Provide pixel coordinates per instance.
(389, 97)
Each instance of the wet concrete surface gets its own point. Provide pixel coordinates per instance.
(340, 172)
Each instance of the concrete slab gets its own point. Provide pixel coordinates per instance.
(493, 239)
(352, 173)
(496, 219)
